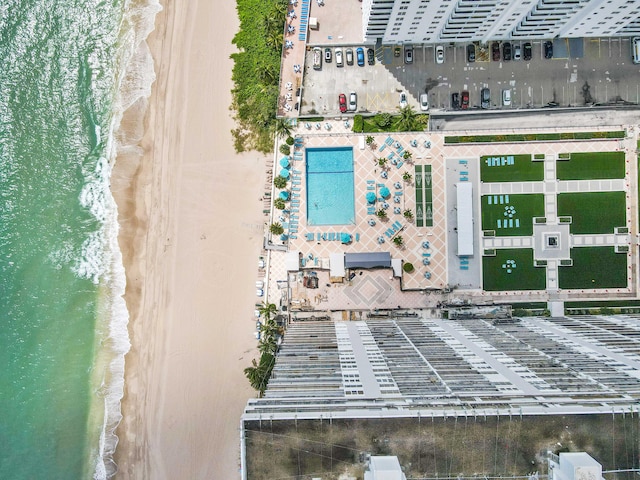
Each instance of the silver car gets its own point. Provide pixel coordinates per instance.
(353, 102)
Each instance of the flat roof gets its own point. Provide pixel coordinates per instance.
(464, 212)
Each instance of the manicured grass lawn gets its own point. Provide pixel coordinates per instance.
(526, 207)
(524, 276)
(522, 170)
(592, 165)
(593, 212)
(594, 267)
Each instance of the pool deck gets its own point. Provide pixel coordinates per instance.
(452, 279)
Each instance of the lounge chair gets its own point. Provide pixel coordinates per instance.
(309, 237)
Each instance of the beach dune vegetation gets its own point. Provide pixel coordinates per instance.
(256, 73)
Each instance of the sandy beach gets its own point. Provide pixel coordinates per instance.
(191, 231)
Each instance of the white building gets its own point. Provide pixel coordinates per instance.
(435, 21)
(384, 468)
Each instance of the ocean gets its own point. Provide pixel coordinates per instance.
(68, 69)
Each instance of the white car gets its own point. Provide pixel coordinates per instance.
(424, 102)
(259, 292)
(439, 54)
(353, 102)
(506, 97)
(403, 100)
(338, 55)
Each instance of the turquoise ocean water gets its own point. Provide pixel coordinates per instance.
(65, 78)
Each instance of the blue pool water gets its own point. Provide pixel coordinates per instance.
(330, 190)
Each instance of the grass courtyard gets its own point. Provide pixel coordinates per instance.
(512, 269)
(511, 215)
(510, 168)
(591, 166)
(594, 267)
(593, 212)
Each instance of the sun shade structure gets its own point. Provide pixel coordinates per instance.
(367, 260)
(371, 197)
(284, 162)
(284, 195)
(284, 173)
(384, 192)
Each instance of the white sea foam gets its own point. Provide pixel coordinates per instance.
(101, 256)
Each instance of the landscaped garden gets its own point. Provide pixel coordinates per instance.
(510, 168)
(533, 137)
(593, 212)
(594, 267)
(511, 215)
(591, 165)
(512, 269)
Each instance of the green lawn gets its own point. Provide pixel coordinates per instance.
(521, 207)
(522, 169)
(592, 165)
(523, 276)
(594, 267)
(593, 212)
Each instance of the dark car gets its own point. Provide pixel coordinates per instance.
(465, 100)
(506, 51)
(526, 51)
(548, 49)
(485, 98)
(471, 53)
(455, 100)
(342, 101)
(327, 55)
(495, 51)
(360, 56)
(371, 58)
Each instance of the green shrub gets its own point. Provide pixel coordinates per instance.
(408, 267)
(358, 124)
(289, 140)
(285, 149)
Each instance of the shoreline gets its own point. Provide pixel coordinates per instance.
(190, 237)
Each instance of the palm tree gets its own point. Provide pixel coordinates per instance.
(407, 119)
(279, 203)
(382, 214)
(276, 228)
(407, 155)
(268, 309)
(282, 128)
(370, 142)
(406, 176)
(280, 182)
(398, 241)
(382, 161)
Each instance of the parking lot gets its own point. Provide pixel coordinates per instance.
(581, 72)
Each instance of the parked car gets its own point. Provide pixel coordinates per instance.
(439, 54)
(408, 54)
(455, 100)
(342, 102)
(506, 97)
(424, 102)
(485, 98)
(526, 51)
(465, 100)
(317, 58)
(371, 57)
(403, 100)
(517, 52)
(349, 56)
(353, 102)
(471, 53)
(548, 49)
(360, 56)
(327, 55)
(506, 51)
(259, 292)
(495, 51)
(338, 53)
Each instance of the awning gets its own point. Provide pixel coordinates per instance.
(464, 214)
(292, 261)
(396, 264)
(367, 260)
(336, 265)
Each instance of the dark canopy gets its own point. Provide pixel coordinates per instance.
(367, 260)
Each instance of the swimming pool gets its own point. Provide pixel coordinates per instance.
(330, 190)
